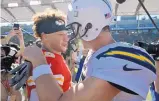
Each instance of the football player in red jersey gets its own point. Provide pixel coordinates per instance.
(49, 26)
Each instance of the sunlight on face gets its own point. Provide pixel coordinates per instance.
(57, 41)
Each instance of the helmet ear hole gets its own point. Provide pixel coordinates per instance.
(88, 26)
(120, 1)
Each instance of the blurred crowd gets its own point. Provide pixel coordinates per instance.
(15, 41)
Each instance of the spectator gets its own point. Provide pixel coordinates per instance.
(79, 72)
(8, 93)
(8, 57)
(5, 75)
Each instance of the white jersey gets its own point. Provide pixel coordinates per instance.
(125, 65)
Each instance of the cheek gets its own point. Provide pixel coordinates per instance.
(62, 44)
(85, 45)
(62, 41)
(51, 42)
(59, 43)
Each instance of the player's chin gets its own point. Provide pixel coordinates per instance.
(64, 49)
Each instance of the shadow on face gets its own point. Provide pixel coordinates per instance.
(86, 44)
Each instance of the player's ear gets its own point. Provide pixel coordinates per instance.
(43, 37)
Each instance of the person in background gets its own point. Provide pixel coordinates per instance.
(9, 93)
(15, 34)
(79, 74)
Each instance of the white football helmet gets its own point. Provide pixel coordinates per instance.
(86, 18)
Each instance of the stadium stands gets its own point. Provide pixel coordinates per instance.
(126, 29)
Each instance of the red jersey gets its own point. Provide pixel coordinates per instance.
(60, 71)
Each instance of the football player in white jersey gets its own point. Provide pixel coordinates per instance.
(115, 71)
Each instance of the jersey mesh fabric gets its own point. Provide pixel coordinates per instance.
(60, 71)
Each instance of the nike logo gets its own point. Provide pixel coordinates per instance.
(130, 69)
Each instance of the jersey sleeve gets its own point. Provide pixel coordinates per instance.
(57, 72)
(125, 67)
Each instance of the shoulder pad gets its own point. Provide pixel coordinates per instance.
(49, 54)
(128, 53)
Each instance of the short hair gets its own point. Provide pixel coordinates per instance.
(44, 16)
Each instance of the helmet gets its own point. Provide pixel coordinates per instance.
(86, 18)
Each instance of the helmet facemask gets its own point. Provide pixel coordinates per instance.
(73, 31)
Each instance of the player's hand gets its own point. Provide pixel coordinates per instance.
(34, 55)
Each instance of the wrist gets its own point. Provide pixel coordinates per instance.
(41, 70)
(35, 65)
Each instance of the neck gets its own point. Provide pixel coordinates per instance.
(102, 41)
(49, 49)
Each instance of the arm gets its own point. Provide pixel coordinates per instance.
(92, 89)
(4, 95)
(22, 46)
(18, 95)
(20, 37)
(21, 40)
(9, 36)
(157, 80)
